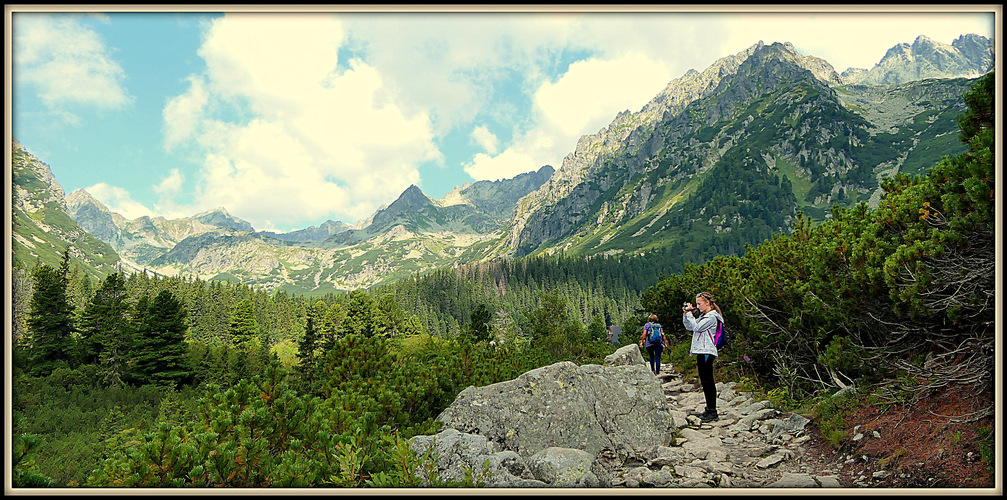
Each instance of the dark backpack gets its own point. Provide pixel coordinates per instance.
(656, 333)
(720, 337)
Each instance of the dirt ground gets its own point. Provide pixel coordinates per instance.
(932, 444)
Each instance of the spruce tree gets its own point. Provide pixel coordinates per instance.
(106, 330)
(244, 329)
(360, 315)
(50, 322)
(481, 318)
(161, 350)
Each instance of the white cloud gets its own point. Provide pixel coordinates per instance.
(506, 165)
(183, 113)
(118, 200)
(308, 141)
(170, 185)
(486, 139)
(584, 100)
(66, 61)
(457, 66)
(592, 91)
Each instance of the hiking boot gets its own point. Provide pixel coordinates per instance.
(709, 416)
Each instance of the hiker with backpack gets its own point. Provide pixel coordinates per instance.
(703, 321)
(653, 334)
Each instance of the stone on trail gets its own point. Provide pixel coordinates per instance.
(791, 480)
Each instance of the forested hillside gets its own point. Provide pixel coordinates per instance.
(139, 381)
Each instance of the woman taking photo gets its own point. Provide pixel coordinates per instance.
(702, 322)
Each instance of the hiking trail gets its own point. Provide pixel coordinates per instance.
(752, 445)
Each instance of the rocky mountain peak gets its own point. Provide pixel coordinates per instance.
(413, 195)
(220, 217)
(81, 197)
(26, 169)
(968, 56)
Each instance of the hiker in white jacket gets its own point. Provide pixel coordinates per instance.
(703, 328)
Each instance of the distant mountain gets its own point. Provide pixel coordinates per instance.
(142, 240)
(476, 209)
(412, 234)
(968, 56)
(219, 217)
(313, 234)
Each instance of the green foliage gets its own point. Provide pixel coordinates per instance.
(50, 322)
(244, 330)
(481, 319)
(987, 448)
(361, 315)
(829, 413)
(161, 349)
(553, 329)
(75, 421)
(106, 330)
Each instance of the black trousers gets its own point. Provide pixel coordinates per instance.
(704, 362)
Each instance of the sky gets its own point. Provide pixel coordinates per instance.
(289, 119)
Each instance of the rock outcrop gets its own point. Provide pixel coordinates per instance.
(563, 422)
(616, 409)
(617, 425)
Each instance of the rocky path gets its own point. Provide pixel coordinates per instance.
(752, 445)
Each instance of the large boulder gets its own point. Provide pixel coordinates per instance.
(561, 425)
(626, 355)
(459, 454)
(619, 409)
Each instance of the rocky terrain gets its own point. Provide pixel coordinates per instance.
(619, 426)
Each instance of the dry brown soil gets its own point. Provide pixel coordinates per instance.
(934, 443)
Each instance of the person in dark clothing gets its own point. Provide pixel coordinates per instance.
(654, 348)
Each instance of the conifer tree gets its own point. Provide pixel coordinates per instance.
(50, 322)
(106, 331)
(360, 315)
(389, 315)
(244, 329)
(481, 318)
(161, 350)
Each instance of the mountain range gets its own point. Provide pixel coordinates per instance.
(719, 159)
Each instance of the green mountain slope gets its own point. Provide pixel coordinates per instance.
(733, 166)
(41, 228)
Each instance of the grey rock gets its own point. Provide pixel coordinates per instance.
(626, 355)
(792, 425)
(828, 481)
(659, 478)
(590, 408)
(566, 468)
(772, 460)
(791, 480)
(460, 453)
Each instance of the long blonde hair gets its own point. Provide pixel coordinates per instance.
(709, 298)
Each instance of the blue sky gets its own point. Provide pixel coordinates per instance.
(290, 119)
